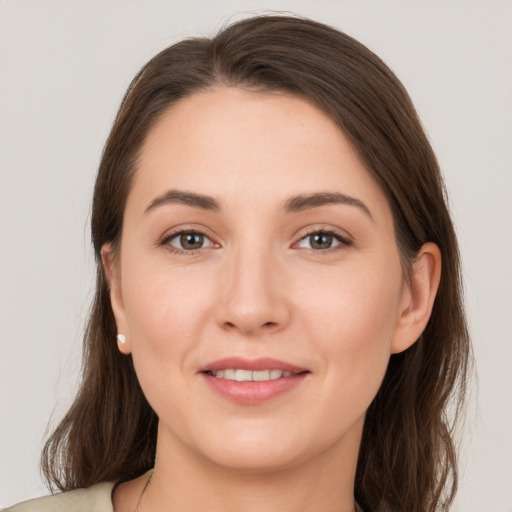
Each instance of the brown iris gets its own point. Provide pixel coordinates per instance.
(191, 241)
(320, 241)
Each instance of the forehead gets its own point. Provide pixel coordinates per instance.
(230, 143)
(231, 122)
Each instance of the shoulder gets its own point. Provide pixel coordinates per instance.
(97, 498)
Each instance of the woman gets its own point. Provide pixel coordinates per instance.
(278, 317)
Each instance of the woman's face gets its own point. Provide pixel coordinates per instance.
(257, 246)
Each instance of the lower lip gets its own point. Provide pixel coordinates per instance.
(253, 393)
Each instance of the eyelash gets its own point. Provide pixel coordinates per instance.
(343, 241)
(167, 241)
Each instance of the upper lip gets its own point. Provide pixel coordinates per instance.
(261, 363)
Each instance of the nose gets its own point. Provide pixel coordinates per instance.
(254, 300)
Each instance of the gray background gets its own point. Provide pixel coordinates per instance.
(64, 66)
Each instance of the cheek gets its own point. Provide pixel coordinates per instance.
(352, 317)
(162, 312)
(164, 307)
(355, 301)
(165, 311)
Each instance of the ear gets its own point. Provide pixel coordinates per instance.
(418, 298)
(112, 272)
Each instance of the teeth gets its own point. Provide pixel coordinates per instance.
(275, 374)
(243, 375)
(261, 375)
(229, 374)
(249, 376)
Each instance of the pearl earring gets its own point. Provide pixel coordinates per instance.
(121, 338)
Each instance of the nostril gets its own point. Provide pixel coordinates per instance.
(267, 326)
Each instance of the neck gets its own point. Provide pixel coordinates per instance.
(185, 481)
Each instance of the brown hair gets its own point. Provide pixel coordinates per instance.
(407, 458)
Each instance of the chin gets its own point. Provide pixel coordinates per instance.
(252, 461)
(256, 452)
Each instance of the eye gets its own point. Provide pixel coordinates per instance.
(188, 241)
(322, 241)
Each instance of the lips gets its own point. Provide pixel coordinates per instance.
(262, 363)
(241, 375)
(247, 381)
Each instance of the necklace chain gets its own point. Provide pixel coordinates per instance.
(143, 491)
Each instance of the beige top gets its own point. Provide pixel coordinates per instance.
(97, 498)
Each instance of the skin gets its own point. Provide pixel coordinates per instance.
(257, 289)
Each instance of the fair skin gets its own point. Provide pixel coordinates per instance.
(257, 270)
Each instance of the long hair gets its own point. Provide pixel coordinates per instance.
(407, 458)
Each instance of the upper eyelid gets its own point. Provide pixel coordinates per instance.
(174, 234)
(178, 230)
(341, 240)
(304, 232)
(166, 242)
(171, 236)
(311, 230)
(343, 243)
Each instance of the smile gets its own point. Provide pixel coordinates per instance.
(250, 376)
(252, 381)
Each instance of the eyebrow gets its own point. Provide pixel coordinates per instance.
(306, 201)
(188, 198)
(297, 203)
